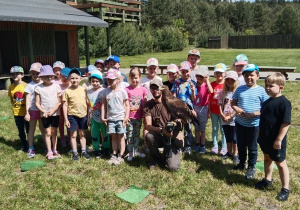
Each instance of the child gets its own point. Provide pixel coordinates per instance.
(227, 115)
(94, 117)
(75, 106)
(48, 101)
(100, 65)
(114, 61)
(115, 113)
(89, 70)
(16, 95)
(137, 96)
(240, 62)
(201, 107)
(274, 124)
(172, 74)
(219, 73)
(184, 89)
(193, 58)
(246, 102)
(32, 112)
(57, 67)
(65, 83)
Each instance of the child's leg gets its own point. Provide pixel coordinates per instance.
(284, 174)
(73, 135)
(121, 142)
(48, 139)
(251, 138)
(42, 129)
(198, 135)
(82, 139)
(130, 137)
(268, 166)
(224, 143)
(21, 124)
(203, 137)
(32, 126)
(215, 128)
(241, 143)
(106, 140)
(95, 128)
(137, 124)
(62, 128)
(114, 139)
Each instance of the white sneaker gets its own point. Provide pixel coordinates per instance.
(140, 154)
(130, 156)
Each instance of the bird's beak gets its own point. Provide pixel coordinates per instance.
(161, 88)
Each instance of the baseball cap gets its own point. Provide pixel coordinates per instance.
(112, 74)
(220, 67)
(59, 64)
(194, 52)
(99, 61)
(156, 82)
(36, 67)
(250, 68)
(241, 59)
(65, 72)
(16, 69)
(202, 71)
(46, 70)
(96, 74)
(75, 70)
(152, 62)
(172, 68)
(231, 74)
(185, 65)
(90, 69)
(114, 58)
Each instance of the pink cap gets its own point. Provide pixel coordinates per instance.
(152, 62)
(185, 65)
(112, 74)
(172, 68)
(36, 67)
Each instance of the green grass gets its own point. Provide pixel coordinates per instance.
(202, 182)
(261, 57)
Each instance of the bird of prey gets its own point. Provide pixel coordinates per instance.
(177, 108)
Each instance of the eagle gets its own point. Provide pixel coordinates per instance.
(177, 108)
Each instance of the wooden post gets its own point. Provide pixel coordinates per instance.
(108, 41)
(87, 48)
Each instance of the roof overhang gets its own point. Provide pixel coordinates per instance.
(46, 11)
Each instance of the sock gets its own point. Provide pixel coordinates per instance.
(83, 149)
(31, 147)
(202, 145)
(75, 152)
(122, 156)
(115, 155)
(197, 144)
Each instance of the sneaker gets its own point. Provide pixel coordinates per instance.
(235, 159)
(227, 155)
(223, 151)
(239, 167)
(50, 156)
(86, 155)
(187, 150)
(31, 153)
(130, 156)
(152, 164)
(283, 195)
(56, 154)
(75, 157)
(263, 184)
(113, 160)
(88, 150)
(215, 150)
(106, 154)
(196, 149)
(202, 150)
(140, 154)
(250, 173)
(120, 160)
(97, 154)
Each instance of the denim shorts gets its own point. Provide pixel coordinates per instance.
(35, 114)
(116, 127)
(77, 123)
(51, 121)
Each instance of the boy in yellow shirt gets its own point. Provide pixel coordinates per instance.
(17, 99)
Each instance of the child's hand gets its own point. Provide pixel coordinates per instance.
(240, 112)
(45, 114)
(194, 113)
(67, 123)
(27, 117)
(125, 122)
(50, 113)
(105, 121)
(192, 87)
(224, 118)
(88, 122)
(206, 79)
(208, 115)
(277, 144)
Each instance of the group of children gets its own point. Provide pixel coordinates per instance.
(113, 109)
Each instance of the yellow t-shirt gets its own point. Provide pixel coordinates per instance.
(76, 99)
(16, 93)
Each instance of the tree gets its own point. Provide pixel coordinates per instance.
(288, 21)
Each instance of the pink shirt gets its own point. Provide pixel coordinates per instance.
(202, 97)
(136, 97)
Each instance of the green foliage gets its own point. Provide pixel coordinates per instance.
(288, 21)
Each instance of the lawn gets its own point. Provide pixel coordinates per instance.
(202, 182)
(261, 57)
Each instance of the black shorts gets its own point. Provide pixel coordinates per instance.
(52, 121)
(77, 123)
(277, 155)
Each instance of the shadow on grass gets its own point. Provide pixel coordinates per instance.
(220, 170)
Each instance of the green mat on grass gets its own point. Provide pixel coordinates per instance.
(133, 195)
(4, 118)
(27, 165)
(260, 166)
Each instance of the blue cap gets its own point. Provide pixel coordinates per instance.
(114, 58)
(220, 67)
(250, 68)
(65, 72)
(75, 70)
(96, 74)
(90, 69)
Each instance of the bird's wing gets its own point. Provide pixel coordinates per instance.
(179, 108)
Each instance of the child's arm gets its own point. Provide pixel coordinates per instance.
(193, 95)
(238, 110)
(222, 114)
(282, 132)
(88, 105)
(28, 103)
(103, 110)
(127, 110)
(65, 113)
(38, 104)
(57, 105)
(209, 87)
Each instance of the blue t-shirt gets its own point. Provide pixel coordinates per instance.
(250, 100)
(183, 90)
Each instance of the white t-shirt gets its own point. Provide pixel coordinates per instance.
(241, 80)
(48, 95)
(145, 82)
(29, 89)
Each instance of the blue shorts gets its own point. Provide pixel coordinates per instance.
(52, 121)
(77, 123)
(116, 127)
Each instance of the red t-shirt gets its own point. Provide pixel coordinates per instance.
(214, 97)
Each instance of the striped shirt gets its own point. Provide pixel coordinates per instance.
(250, 100)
